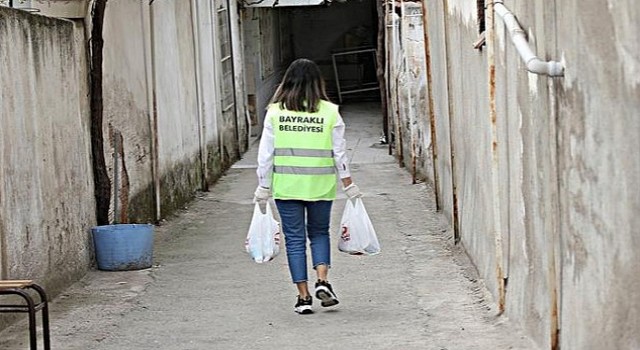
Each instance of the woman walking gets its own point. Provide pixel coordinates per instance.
(301, 153)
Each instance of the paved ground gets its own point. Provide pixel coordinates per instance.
(205, 292)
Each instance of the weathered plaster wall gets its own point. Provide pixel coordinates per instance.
(209, 84)
(599, 167)
(394, 58)
(46, 181)
(127, 127)
(560, 183)
(464, 136)
(413, 108)
(527, 163)
(440, 95)
(407, 78)
(177, 109)
(167, 56)
(241, 113)
(161, 72)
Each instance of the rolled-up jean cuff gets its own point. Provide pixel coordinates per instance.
(321, 263)
(301, 281)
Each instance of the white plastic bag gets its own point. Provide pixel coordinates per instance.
(357, 235)
(263, 239)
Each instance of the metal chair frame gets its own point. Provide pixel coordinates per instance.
(21, 288)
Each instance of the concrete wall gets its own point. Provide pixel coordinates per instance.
(127, 127)
(598, 133)
(163, 79)
(527, 164)
(46, 179)
(444, 165)
(408, 108)
(471, 137)
(267, 52)
(178, 121)
(241, 115)
(163, 127)
(554, 176)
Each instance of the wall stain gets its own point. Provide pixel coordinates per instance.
(122, 192)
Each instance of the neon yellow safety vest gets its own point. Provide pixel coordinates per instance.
(303, 165)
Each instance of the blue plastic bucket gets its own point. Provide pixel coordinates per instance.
(123, 247)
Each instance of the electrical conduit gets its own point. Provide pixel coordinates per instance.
(519, 39)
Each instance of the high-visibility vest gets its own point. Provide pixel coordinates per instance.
(303, 165)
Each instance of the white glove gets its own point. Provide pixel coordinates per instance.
(261, 194)
(352, 191)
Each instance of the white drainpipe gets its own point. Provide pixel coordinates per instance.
(534, 64)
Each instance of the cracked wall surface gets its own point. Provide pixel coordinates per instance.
(46, 179)
(553, 174)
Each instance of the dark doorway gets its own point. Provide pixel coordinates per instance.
(341, 39)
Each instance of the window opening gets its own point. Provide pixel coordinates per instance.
(225, 56)
(24, 5)
(481, 25)
(481, 20)
(355, 71)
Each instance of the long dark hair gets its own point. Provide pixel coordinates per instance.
(302, 87)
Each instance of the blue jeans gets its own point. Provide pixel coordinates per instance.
(296, 230)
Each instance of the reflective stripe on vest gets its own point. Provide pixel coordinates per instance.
(299, 170)
(303, 152)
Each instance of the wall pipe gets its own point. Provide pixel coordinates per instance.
(197, 62)
(381, 55)
(451, 122)
(518, 37)
(396, 27)
(387, 74)
(217, 89)
(153, 113)
(495, 159)
(411, 118)
(431, 104)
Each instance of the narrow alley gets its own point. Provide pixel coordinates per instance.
(205, 293)
(495, 141)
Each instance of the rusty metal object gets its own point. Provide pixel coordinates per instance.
(452, 148)
(21, 288)
(153, 123)
(493, 115)
(519, 38)
(432, 113)
(381, 54)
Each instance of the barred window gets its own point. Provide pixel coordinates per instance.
(481, 21)
(224, 35)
